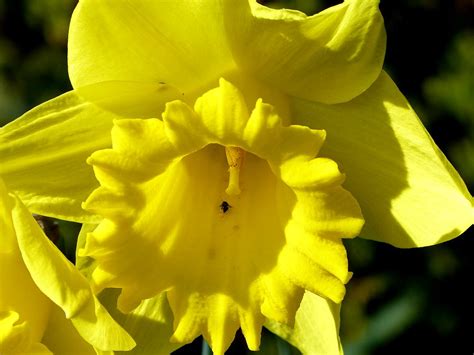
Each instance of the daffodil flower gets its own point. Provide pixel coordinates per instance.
(46, 305)
(220, 192)
(227, 210)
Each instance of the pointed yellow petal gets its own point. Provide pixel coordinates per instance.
(181, 44)
(96, 325)
(62, 338)
(43, 155)
(34, 273)
(57, 278)
(18, 292)
(409, 193)
(316, 329)
(150, 324)
(215, 316)
(330, 57)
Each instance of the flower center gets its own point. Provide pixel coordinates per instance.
(230, 213)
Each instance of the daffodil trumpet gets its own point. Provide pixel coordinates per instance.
(282, 237)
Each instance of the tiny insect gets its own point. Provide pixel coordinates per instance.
(225, 206)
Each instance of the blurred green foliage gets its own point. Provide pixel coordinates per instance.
(399, 301)
(451, 93)
(33, 64)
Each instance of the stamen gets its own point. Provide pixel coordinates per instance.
(235, 159)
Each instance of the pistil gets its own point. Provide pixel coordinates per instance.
(235, 159)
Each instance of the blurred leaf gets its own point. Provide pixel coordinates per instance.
(387, 323)
(453, 90)
(53, 16)
(462, 155)
(273, 345)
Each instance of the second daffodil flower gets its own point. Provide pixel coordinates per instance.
(46, 305)
(218, 185)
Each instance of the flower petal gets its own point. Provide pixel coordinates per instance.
(16, 336)
(83, 263)
(44, 153)
(18, 292)
(150, 324)
(62, 338)
(57, 278)
(131, 99)
(316, 329)
(409, 193)
(330, 57)
(180, 43)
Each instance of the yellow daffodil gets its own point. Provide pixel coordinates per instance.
(228, 211)
(46, 305)
(216, 187)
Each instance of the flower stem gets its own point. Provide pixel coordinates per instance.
(205, 350)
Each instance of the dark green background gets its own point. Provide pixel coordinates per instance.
(399, 301)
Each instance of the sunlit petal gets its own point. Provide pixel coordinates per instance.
(62, 338)
(57, 278)
(330, 57)
(18, 292)
(316, 329)
(144, 43)
(410, 194)
(150, 324)
(44, 154)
